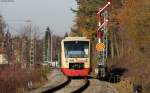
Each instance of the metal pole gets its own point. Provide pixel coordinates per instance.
(106, 34)
(48, 48)
(102, 28)
(32, 46)
(51, 47)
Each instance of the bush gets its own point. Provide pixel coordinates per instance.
(15, 79)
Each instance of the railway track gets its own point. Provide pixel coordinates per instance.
(83, 87)
(73, 85)
(57, 87)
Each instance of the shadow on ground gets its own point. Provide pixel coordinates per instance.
(79, 77)
(114, 75)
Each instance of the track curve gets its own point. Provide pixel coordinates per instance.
(82, 88)
(58, 87)
(77, 85)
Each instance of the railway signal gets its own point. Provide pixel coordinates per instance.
(102, 46)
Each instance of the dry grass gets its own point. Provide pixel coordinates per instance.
(124, 87)
(14, 79)
(137, 73)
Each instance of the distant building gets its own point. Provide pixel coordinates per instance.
(17, 42)
(6, 52)
(3, 59)
(3, 56)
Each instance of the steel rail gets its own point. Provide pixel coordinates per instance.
(60, 86)
(83, 87)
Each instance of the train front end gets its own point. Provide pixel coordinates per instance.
(75, 56)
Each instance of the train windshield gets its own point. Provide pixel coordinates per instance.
(76, 49)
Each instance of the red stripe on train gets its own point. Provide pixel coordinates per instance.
(73, 72)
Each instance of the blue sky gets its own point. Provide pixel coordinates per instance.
(42, 13)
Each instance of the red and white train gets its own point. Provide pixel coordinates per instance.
(75, 56)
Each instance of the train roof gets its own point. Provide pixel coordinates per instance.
(76, 39)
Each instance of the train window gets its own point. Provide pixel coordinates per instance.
(76, 49)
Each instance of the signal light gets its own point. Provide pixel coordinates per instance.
(109, 3)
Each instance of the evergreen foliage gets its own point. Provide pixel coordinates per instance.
(86, 18)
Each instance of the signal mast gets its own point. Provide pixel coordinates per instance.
(102, 35)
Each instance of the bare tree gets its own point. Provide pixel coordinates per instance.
(30, 35)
